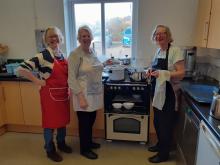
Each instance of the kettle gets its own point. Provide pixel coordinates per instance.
(215, 107)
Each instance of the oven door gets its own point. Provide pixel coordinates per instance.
(127, 127)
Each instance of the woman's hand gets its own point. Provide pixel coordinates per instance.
(148, 73)
(151, 72)
(155, 73)
(40, 82)
(82, 101)
(108, 62)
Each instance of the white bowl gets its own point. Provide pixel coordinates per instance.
(128, 105)
(117, 105)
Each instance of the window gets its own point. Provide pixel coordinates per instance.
(113, 23)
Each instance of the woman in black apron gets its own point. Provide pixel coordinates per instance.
(167, 58)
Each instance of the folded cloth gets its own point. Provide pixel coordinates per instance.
(160, 89)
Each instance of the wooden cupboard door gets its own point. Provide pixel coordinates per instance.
(2, 106)
(31, 103)
(73, 117)
(202, 23)
(12, 100)
(214, 29)
(99, 122)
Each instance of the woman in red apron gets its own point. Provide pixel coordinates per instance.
(54, 93)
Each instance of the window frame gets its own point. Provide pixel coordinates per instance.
(70, 29)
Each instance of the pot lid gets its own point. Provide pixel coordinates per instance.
(116, 67)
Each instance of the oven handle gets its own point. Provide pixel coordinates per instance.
(128, 116)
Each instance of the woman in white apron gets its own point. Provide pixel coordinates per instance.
(85, 82)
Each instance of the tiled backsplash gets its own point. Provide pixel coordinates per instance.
(208, 62)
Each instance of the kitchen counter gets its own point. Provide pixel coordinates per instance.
(13, 79)
(10, 77)
(202, 110)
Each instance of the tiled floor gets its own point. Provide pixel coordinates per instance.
(27, 149)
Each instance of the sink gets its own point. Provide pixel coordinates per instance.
(200, 92)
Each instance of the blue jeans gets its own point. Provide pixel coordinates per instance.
(48, 137)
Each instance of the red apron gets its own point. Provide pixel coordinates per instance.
(55, 104)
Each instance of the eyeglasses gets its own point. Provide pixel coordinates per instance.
(53, 36)
(160, 34)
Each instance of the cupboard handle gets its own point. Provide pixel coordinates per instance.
(206, 27)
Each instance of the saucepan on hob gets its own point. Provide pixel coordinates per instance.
(137, 76)
(116, 73)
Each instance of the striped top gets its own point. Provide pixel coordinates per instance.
(43, 62)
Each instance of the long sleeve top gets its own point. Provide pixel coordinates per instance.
(79, 64)
(42, 63)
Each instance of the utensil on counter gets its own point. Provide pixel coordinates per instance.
(126, 60)
(215, 106)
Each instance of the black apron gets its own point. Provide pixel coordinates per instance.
(164, 119)
(162, 64)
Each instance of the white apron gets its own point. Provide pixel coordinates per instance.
(91, 83)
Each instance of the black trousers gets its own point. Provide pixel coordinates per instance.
(164, 121)
(86, 121)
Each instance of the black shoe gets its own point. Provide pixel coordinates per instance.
(89, 154)
(53, 155)
(63, 147)
(153, 148)
(157, 159)
(95, 145)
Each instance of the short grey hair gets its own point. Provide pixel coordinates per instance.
(87, 28)
(56, 30)
(168, 32)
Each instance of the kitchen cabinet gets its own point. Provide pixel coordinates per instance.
(188, 124)
(30, 98)
(202, 23)
(214, 32)
(207, 32)
(12, 102)
(20, 106)
(2, 106)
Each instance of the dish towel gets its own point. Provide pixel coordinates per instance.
(160, 89)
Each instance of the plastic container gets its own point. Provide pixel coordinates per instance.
(11, 68)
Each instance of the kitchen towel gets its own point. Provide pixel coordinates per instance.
(160, 89)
